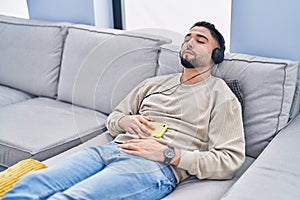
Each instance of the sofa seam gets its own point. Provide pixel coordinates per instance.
(61, 57)
(120, 34)
(33, 25)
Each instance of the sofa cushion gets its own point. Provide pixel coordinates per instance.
(235, 87)
(100, 67)
(169, 61)
(296, 102)
(102, 139)
(194, 189)
(42, 127)
(275, 173)
(10, 96)
(30, 55)
(268, 87)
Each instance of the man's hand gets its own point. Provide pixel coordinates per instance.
(148, 148)
(136, 124)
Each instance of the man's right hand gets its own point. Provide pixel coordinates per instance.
(136, 124)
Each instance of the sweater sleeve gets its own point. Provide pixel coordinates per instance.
(226, 145)
(128, 106)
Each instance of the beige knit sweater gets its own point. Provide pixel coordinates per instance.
(204, 121)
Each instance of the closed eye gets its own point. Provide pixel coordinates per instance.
(187, 38)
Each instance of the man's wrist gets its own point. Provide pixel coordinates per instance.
(171, 156)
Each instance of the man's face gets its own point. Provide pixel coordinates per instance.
(198, 46)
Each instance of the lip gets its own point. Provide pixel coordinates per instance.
(188, 52)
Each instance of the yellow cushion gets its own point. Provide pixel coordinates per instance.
(12, 174)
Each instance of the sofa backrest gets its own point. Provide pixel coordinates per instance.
(101, 66)
(268, 88)
(30, 55)
(296, 102)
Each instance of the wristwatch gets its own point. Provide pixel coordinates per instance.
(169, 153)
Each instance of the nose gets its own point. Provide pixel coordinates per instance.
(190, 43)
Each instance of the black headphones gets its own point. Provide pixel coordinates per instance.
(218, 53)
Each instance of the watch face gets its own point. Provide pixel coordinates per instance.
(169, 153)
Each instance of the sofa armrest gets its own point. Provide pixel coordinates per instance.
(276, 172)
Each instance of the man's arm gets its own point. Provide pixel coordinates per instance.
(226, 146)
(125, 118)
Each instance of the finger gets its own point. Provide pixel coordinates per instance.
(140, 131)
(147, 123)
(135, 153)
(145, 131)
(129, 146)
(133, 141)
(148, 118)
(144, 125)
(132, 131)
(142, 136)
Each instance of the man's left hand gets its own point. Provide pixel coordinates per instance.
(147, 148)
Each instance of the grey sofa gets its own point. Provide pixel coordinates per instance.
(59, 82)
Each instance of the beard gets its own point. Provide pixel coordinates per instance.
(187, 64)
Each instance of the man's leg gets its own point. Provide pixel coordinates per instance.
(44, 183)
(124, 177)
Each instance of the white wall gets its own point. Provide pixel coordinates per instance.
(103, 13)
(177, 15)
(16, 8)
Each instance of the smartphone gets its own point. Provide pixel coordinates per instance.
(160, 129)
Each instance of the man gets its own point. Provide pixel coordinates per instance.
(204, 135)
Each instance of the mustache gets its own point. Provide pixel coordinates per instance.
(188, 49)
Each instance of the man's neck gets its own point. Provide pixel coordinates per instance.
(188, 73)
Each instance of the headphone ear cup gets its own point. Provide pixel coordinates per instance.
(217, 55)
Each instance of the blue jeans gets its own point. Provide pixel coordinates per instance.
(102, 172)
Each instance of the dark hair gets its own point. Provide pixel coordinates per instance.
(214, 32)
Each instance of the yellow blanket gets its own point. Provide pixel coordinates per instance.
(12, 174)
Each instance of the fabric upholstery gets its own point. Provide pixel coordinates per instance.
(30, 55)
(99, 72)
(10, 96)
(169, 61)
(194, 189)
(296, 102)
(235, 87)
(45, 127)
(275, 174)
(263, 80)
(101, 139)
